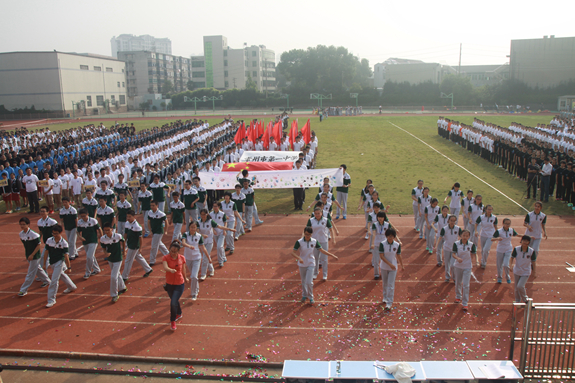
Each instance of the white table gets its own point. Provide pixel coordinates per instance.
(419, 371)
(306, 369)
(447, 370)
(353, 370)
(507, 366)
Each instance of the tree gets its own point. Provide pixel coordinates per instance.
(190, 85)
(167, 87)
(250, 83)
(163, 105)
(144, 106)
(461, 88)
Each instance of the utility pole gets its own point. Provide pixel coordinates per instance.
(234, 80)
(459, 70)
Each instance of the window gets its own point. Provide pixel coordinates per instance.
(98, 68)
(198, 85)
(123, 84)
(254, 63)
(225, 62)
(254, 74)
(225, 73)
(227, 84)
(84, 67)
(113, 99)
(197, 64)
(109, 70)
(254, 53)
(225, 53)
(118, 84)
(99, 100)
(198, 74)
(88, 101)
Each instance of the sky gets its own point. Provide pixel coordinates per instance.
(375, 30)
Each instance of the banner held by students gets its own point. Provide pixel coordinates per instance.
(257, 166)
(280, 179)
(269, 156)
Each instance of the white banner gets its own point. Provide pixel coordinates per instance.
(269, 156)
(275, 179)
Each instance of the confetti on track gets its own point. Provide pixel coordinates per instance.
(251, 306)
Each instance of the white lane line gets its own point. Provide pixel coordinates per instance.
(491, 186)
(288, 300)
(280, 326)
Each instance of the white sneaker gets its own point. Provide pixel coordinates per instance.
(68, 290)
(194, 298)
(203, 277)
(50, 304)
(212, 273)
(366, 236)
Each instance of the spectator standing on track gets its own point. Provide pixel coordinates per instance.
(306, 261)
(525, 257)
(176, 273)
(462, 251)
(31, 182)
(389, 254)
(32, 246)
(342, 193)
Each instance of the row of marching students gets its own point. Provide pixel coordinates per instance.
(439, 227)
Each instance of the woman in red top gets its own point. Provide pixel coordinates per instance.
(176, 273)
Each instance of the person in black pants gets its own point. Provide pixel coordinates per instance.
(532, 173)
(298, 193)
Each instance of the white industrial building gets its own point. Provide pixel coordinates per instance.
(69, 82)
(131, 43)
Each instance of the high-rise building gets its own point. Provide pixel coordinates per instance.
(73, 83)
(543, 62)
(133, 43)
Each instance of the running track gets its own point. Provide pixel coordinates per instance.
(252, 304)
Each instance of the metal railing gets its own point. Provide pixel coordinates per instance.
(547, 340)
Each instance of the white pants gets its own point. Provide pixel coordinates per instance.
(134, 254)
(439, 250)
(121, 228)
(462, 278)
(206, 263)
(58, 269)
(116, 281)
(485, 247)
(375, 259)
(239, 226)
(388, 283)
(177, 231)
(34, 271)
(71, 236)
(194, 267)
(342, 200)
(520, 290)
(447, 257)
(321, 258)
(157, 244)
(306, 274)
(503, 264)
(430, 237)
(146, 222)
(219, 241)
(455, 211)
(256, 216)
(534, 244)
(415, 214)
(249, 214)
(230, 223)
(91, 261)
(190, 215)
(161, 206)
(421, 225)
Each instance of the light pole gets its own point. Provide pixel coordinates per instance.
(319, 97)
(356, 96)
(287, 97)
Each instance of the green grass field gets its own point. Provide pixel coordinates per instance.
(372, 147)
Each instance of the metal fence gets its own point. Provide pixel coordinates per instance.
(547, 338)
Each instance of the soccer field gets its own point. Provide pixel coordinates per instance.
(386, 149)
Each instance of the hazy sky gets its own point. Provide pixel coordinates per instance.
(426, 30)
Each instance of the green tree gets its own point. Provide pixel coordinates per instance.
(167, 87)
(461, 88)
(163, 105)
(190, 85)
(144, 106)
(250, 83)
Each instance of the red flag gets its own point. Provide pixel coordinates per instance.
(277, 133)
(292, 134)
(266, 138)
(238, 136)
(257, 166)
(306, 132)
(261, 128)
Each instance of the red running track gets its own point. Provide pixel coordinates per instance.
(252, 304)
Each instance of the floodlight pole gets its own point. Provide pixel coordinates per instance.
(286, 96)
(320, 98)
(195, 100)
(213, 100)
(450, 95)
(356, 96)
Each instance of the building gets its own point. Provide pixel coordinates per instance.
(482, 75)
(227, 68)
(147, 72)
(566, 104)
(400, 72)
(57, 81)
(133, 43)
(543, 62)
